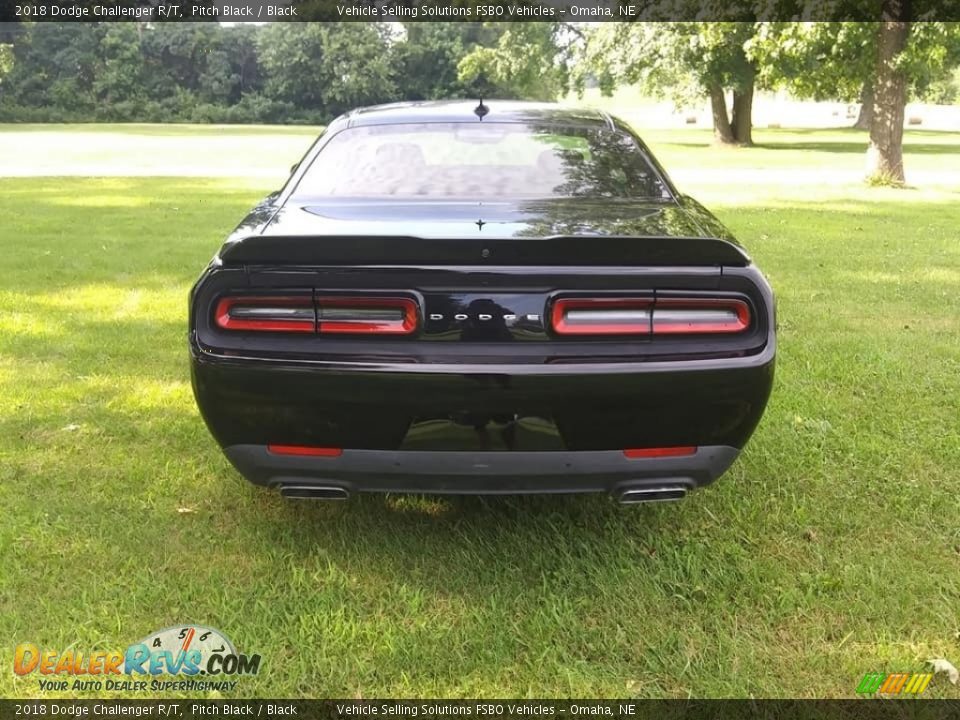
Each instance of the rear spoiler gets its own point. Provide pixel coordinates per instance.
(589, 250)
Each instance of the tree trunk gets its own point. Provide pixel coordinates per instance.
(885, 154)
(743, 114)
(865, 116)
(722, 132)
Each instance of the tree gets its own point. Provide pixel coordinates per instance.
(240, 43)
(326, 68)
(189, 59)
(879, 62)
(120, 78)
(530, 60)
(6, 60)
(426, 58)
(889, 82)
(865, 114)
(54, 66)
(682, 61)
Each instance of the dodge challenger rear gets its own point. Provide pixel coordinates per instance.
(481, 298)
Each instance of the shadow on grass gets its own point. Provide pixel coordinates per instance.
(145, 461)
(126, 231)
(827, 146)
(459, 545)
(909, 148)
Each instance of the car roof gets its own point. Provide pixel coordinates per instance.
(500, 111)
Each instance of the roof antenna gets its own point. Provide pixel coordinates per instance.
(481, 110)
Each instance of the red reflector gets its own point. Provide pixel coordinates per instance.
(266, 313)
(690, 316)
(601, 316)
(636, 453)
(305, 450)
(366, 315)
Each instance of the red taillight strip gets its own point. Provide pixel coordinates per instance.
(643, 316)
(668, 316)
(326, 314)
(660, 452)
(624, 316)
(262, 305)
(405, 322)
(305, 450)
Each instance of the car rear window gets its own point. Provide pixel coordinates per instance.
(480, 160)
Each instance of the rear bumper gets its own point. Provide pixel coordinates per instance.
(412, 407)
(481, 472)
(571, 423)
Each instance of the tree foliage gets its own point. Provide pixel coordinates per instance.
(682, 61)
(309, 72)
(833, 61)
(427, 61)
(528, 61)
(326, 67)
(881, 63)
(6, 60)
(280, 72)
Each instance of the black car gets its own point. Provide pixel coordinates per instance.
(503, 297)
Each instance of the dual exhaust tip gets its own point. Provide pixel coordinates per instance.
(627, 496)
(314, 492)
(653, 493)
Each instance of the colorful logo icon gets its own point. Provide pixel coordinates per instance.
(894, 683)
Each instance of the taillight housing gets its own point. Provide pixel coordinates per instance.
(265, 313)
(366, 315)
(323, 314)
(602, 316)
(686, 316)
(649, 316)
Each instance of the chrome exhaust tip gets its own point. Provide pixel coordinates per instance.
(314, 492)
(660, 493)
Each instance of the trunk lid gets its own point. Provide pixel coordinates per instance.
(545, 233)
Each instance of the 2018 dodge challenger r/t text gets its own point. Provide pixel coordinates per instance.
(481, 298)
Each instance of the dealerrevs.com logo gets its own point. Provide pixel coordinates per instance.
(179, 658)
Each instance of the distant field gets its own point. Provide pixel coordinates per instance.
(248, 151)
(830, 550)
(784, 158)
(769, 110)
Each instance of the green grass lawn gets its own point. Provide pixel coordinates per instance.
(831, 549)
